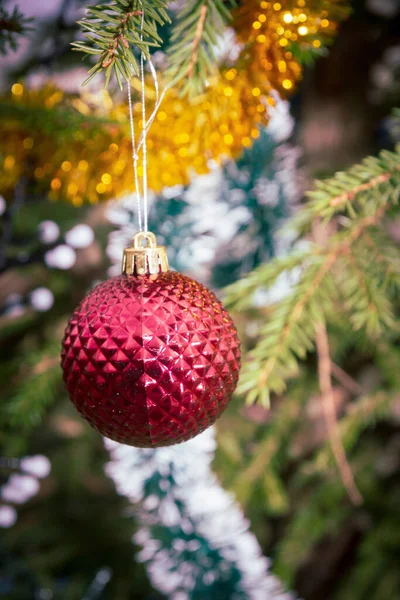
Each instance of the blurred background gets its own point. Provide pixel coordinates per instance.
(253, 507)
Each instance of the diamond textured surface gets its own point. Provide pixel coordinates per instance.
(150, 361)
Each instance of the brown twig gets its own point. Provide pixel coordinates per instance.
(347, 382)
(109, 55)
(343, 198)
(47, 362)
(197, 39)
(328, 405)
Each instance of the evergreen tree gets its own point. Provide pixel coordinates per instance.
(312, 458)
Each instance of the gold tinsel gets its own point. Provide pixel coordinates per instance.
(90, 163)
(96, 164)
(275, 34)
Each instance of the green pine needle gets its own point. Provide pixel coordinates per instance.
(116, 30)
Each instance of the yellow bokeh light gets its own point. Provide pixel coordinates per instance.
(283, 42)
(55, 184)
(262, 18)
(161, 115)
(303, 30)
(106, 178)
(119, 166)
(316, 44)
(83, 165)
(261, 38)
(17, 89)
(287, 84)
(302, 18)
(228, 91)
(9, 162)
(256, 92)
(66, 166)
(277, 6)
(288, 17)
(256, 25)
(324, 23)
(113, 147)
(231, 74)
(100, 188)
(228, 139)
(72, 189)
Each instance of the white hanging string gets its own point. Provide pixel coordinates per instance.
(142, 144)
(135, 158)
(144, 151)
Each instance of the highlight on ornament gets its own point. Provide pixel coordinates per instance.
(150, 357)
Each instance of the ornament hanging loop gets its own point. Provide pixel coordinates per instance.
(142, 236)
(144, 260)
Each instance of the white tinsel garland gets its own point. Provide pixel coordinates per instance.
(194, 536)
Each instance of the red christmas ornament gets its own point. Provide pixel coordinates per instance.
(151, 357)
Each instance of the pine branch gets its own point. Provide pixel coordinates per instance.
(240, 295)
(36, 391)
(365, 299)
(381, 255)
(290, 330)
(193, 40)
(112, 31)
(61, 121)
(348, 191)
(267, 460)
(13, 25)
(319, 515)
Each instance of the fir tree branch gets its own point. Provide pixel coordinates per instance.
(112, 30)
(191, 54)
(267, 460)
(366, 301)
(240, 294)
(347, 191)
(290, 330)
(197, 39)
(36, 389)
(328, 405)
(12, 26)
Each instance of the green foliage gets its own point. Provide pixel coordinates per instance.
(349, 192)
(62, 122)
(118, 32)
(356, 272)
(13, 25)
(193, 40)
(36, 388)
(111, 30)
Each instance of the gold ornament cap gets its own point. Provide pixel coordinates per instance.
(148, 259)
